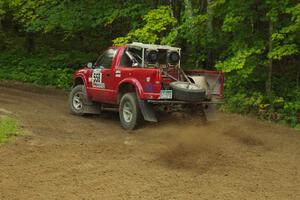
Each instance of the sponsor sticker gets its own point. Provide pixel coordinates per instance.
(97, 79)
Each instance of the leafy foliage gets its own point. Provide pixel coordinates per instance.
(157, 24)
(2, 9)
(253, 42)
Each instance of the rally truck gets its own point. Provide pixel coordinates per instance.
(139, 80)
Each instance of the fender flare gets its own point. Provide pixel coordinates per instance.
(132, 81)
(80, 75)
(85, 82)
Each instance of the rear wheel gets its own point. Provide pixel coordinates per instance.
(129, 111)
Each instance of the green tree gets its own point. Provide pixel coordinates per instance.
(157, 24)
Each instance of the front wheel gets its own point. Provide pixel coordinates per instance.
(76, 100)
(129, 111)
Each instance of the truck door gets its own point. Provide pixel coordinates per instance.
(102, 77)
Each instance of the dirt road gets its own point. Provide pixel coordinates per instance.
(67, 157)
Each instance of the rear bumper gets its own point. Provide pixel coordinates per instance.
(160, 101)
(155, 99)
(150, 96)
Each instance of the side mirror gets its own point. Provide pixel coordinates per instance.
(90, 65)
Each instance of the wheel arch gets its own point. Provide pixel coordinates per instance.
(129, 85)
(79, 80)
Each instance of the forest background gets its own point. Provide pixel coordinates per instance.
(255, 42)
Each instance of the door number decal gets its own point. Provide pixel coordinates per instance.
(97, 79)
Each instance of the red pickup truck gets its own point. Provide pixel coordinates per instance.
(140, 79)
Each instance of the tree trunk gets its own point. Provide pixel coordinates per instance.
(155, 3)
(1, 26)
(270, 65)
(209, 33)
(209, 21)
(189, 12)
(2, 39)
(176, 7)
(297, 79)
(188, 7)
(29, 42)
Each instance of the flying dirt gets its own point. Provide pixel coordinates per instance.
(62, 156)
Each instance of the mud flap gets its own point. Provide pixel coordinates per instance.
(210, 112)
(89, 106)
(92, 109)
(147, 111)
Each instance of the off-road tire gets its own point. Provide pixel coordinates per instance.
(129, 103)
(77, 90)
(187, 94)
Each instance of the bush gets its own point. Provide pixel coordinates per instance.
(42, 68)
(8, 128)
(271, 107)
